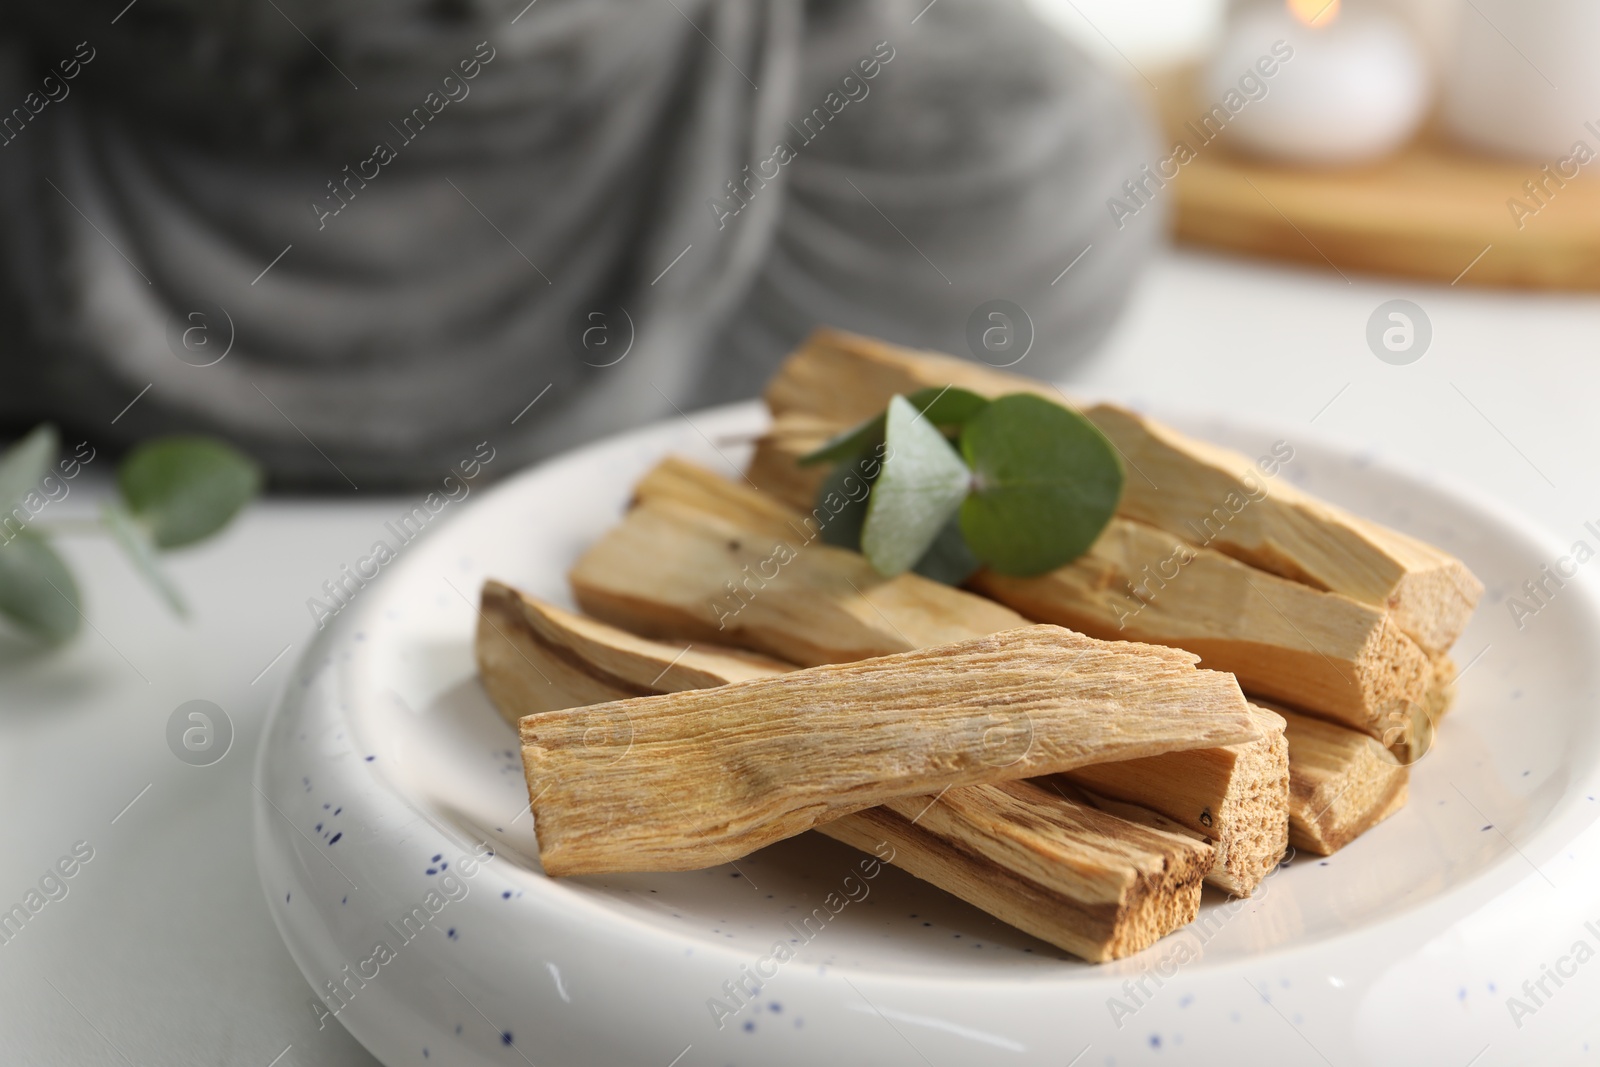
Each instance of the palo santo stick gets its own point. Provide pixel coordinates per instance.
(688, 780)
(1095, 885)
(1236, 796)
(1184, 486)
(533, 657)
(1225, 794)
(1441, 693)
(848, 378)
(678, 480)
(1341, 783)
(1091, 885)
(690, 484)
(1286, 641)
(775, 464)
(1216, 495)
(671, 571)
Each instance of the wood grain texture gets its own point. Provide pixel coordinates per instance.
(533, 656)
(673, 571)
(1083, 880)
(1243, 792)
(775, 464)
(1441, 694)
(1089, 885)
(742, 503)
(1187, 487)
(1316, 650)
(1219, 498)
(692, 779)
(1285, 640)
(1236, 796)
(688, 483)
(1341, 783)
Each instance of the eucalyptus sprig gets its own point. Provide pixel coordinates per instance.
(172, 492)
(1018, 484)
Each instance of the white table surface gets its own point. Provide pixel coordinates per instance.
(163, 952)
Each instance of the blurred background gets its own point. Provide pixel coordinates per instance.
(372, 228)
(400, 221)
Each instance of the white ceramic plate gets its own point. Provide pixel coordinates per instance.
(384, 767)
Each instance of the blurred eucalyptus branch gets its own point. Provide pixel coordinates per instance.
(171, 492)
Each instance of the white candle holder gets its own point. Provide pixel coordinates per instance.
(1350, 85)
(1524, 79)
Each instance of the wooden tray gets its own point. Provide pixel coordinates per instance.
(1432, 211)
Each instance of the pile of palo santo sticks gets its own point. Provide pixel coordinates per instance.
(1074, 753)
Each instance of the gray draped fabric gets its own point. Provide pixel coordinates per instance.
(577, 174)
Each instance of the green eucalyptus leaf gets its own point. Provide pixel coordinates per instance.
(184, 489)
(948, 559)
(25, 463)
(141, 552)
(37, 591)
(852, 442)
(922, 484)
(1046, 483)
(844, 482)
(947, 408)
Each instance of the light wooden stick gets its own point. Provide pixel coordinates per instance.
(689, 780)
(680, 481)
(533, 657)
(1236, 796)
(775, 464)
(1341, 783)
(1085, 881)
(1287, 531)
(1283, 640)
(1241, 790)
(671, 571)
(1187, 487)
(1320, 651)
(1441, 694)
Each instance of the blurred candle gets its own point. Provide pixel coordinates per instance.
(1352, 88)
(1530, 98)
